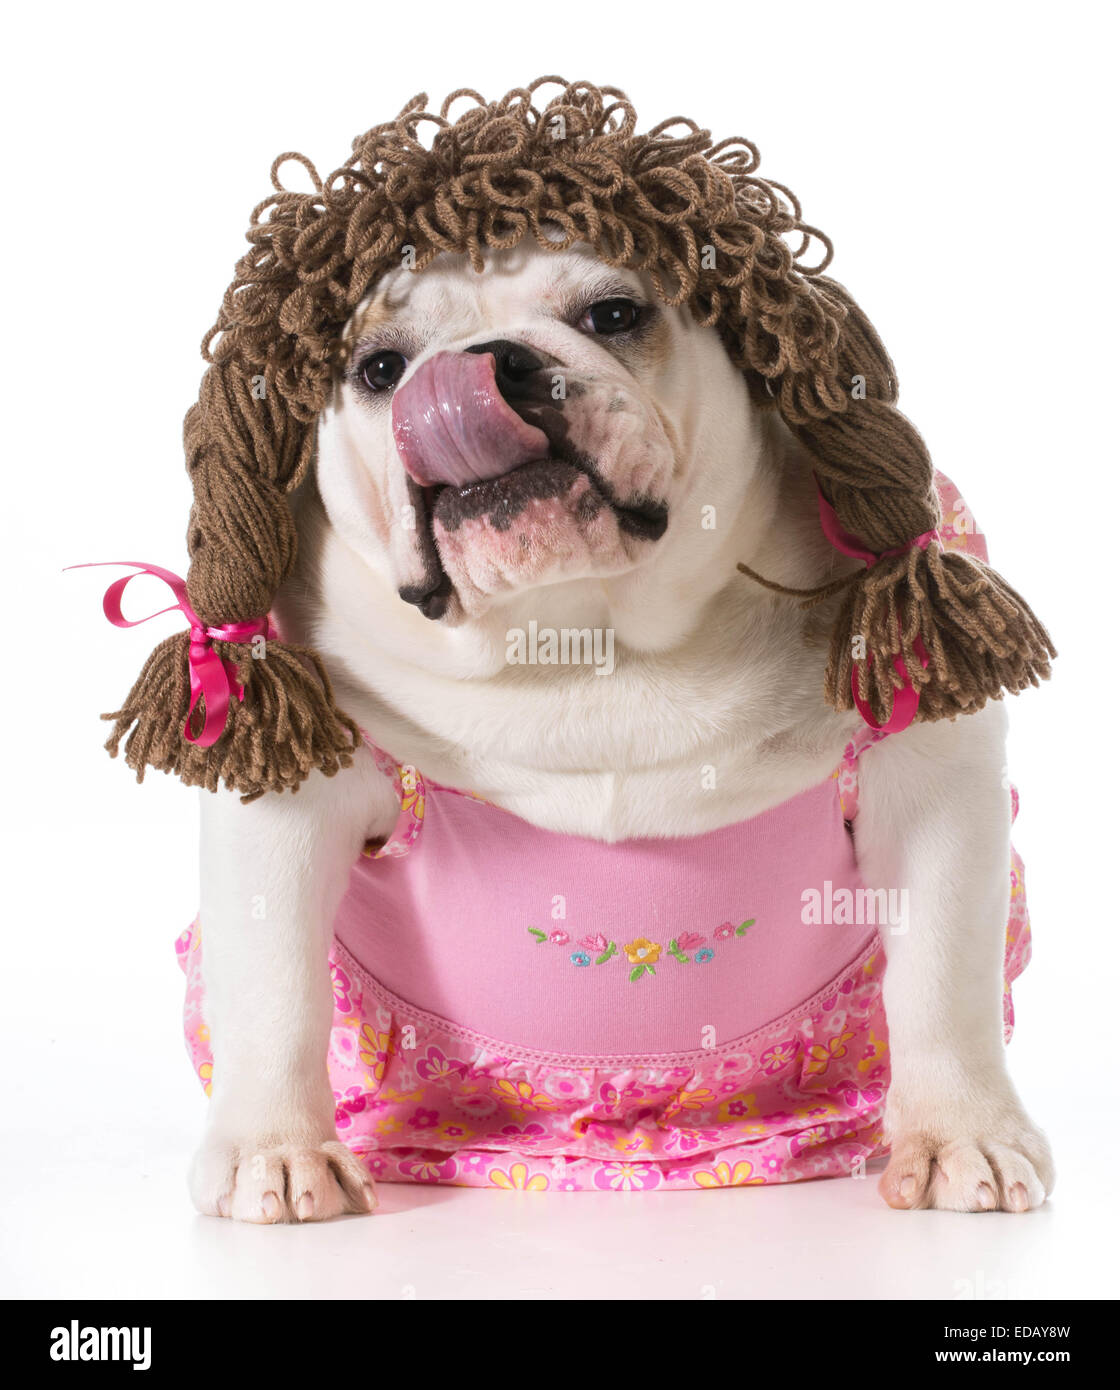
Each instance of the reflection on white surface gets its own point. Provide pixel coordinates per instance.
(102, 1219)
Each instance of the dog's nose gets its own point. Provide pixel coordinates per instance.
(514, 364)
(453, 421)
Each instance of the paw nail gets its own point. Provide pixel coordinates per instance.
(986, 1196)
(305, 1210)
(1017, 1197)
(270, 1206)
(907, 1187)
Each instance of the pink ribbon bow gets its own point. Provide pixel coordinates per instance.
(905, 704)
(213, 677)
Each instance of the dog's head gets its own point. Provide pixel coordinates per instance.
(547, 419)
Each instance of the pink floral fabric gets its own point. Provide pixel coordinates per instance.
(424, 1100)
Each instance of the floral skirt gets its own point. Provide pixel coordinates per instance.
(420, 1099)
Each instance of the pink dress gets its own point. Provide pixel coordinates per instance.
(517, 1008)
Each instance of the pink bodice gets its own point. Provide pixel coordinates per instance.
(584, 949)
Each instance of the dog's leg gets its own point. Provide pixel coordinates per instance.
(935, 820)
(273, 875)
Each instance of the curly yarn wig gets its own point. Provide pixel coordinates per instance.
(710, 233)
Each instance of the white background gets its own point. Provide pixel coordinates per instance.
(963, 161)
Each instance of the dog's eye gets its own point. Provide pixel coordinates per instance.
(611, 316)
(382, 370)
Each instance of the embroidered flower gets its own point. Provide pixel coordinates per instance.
(595, 944)
(723, 931)
(518, 1179)
(558, 937)
(580, 958)
(688, 939)
(642, 952)
(704, 955)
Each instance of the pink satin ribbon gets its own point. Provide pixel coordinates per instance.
(213, 678)
(905, 704)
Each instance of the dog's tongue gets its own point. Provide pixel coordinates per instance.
(452, 425)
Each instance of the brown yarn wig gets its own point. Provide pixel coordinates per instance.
(710, 233)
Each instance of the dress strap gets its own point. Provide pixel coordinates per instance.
(847, 773)
(413, 795)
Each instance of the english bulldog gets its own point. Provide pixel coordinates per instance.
(546, 448)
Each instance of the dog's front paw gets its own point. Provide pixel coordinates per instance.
(983, 1156)
(279, 1181)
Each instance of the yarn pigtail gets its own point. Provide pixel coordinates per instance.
(960, 632)
(286, 726)
(243, 462)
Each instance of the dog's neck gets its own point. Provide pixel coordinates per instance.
(712, 679)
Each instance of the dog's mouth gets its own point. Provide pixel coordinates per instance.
(499, 502)
(481, 467)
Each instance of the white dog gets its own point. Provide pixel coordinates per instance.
(659, 475)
